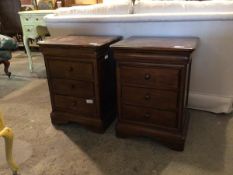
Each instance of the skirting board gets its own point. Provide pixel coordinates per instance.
(210, 103)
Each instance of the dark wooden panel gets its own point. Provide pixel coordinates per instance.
(156, 58)
(73, 88)
(81, 78)
(93, 124)
(152, 86)
(169, 138)
(70, 70)
(149, 98)
(160, 78)
(73, 104)
(149, 116)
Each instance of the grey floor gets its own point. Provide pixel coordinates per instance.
(43, 149)
(20, 72)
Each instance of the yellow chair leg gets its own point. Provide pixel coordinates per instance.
(8, 135)
(2, 125)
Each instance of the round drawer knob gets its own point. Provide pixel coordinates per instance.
(28, 30)
(37, 19)
(147, 115)
(71, 69)
(147, 97)
(26, 19)
(72, 86)
(147, 76)
(74, 103)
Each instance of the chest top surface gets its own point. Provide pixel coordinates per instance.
(158, 43)
(80, 41)
(36, 12)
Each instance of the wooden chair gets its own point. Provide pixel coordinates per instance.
(7, 134)
(6, 64)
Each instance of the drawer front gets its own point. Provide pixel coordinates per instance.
(73, 88)
(77, 105)
(161, 78)
(26, 19)
(70, 70)
(30, 31)
(38, 20)
(32, 19)
(149, 98)
(149, 116)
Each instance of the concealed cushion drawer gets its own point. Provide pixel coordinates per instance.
(73, 88)
(70, 70)
(77, 105)
(161, 78)
(149, 116)
(149, 97)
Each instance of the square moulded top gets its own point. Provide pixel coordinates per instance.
(175, 44)
(80, 41)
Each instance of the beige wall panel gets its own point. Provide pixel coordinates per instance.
(85, 1)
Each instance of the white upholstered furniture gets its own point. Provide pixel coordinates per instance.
(212, 21)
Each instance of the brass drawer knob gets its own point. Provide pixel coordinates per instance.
(72, 86)
(147, 76)
(74, 104)
(147, 115)
(147, 97)
(71, 69)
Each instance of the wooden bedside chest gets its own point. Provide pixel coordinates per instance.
(81, 73)
(152, 86)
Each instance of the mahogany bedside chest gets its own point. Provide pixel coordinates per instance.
(81, 73)
(152, 86)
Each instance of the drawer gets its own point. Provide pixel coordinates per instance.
(161, 78)
(70, 70)
(149, 116)
(26, 19)
(38, 19)
(77, 105)
(149, 98)
(32, 19)
(73, 88)
(29, 30)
